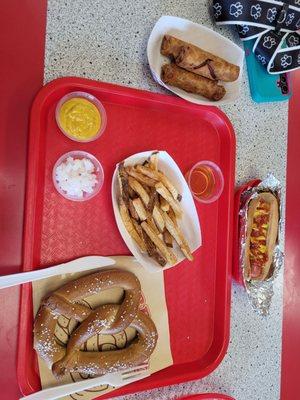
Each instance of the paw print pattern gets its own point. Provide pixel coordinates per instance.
(255, 11)
(297, 2)
(262, 59)
(271, 14)
(293, 40)
(217, 10)
(243, 29)
(290, 19)
(286, 60)
(298, 24)
(236, 9)
(269, 42)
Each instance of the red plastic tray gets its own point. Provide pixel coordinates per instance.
(236, 270)
(207, 396)
(57, 230)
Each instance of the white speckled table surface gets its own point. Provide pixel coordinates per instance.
(106, 40)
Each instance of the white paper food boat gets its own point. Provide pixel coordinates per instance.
(200, 36)
(189, 222)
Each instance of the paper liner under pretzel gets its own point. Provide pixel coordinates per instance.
(153, 304)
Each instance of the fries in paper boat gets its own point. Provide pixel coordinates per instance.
(154, 210)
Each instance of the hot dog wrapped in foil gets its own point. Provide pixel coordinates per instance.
(260, 293)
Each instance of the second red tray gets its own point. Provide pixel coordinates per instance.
(58, 230)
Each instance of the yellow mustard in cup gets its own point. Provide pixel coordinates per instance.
(81, 117)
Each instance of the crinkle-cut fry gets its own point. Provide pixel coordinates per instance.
(161, 177)
(164, 205)
(124, 213)
(152, 250)
(161, 246)
(178, 236)
(139, 190)
(153, 161)
(158, 218)
(140, 209)
(140, 177)
(164, 192)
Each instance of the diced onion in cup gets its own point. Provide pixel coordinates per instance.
(76, 176)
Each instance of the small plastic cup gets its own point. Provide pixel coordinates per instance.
(98, 172)
(212, 181)
(93, 100)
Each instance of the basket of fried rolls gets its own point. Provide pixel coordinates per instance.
(194, 62)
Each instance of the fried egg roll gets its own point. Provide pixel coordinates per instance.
(171, 46)
(172, 75)
(194, 59)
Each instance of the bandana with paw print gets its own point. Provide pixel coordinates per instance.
(274, 24)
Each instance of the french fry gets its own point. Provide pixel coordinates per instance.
(152, 200)
(123, 183)
(161, 177)
(132, 210)
(147, 188)
(164, 205)
(178, 236)
(169, 185)
(151, 173)
(172, 216)
(158, 218)
(152, 250)
(143, 214)
(168, 239)
(140, 209)
(129, 225)
(164, 250)
(139, 190)
(152, 224)
(153, 161)
(163, 191)
(140, 177)
(139, 230)
(131, 193)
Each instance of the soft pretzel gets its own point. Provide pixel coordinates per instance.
(106, 319)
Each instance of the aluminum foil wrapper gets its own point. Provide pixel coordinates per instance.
(260, 293)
